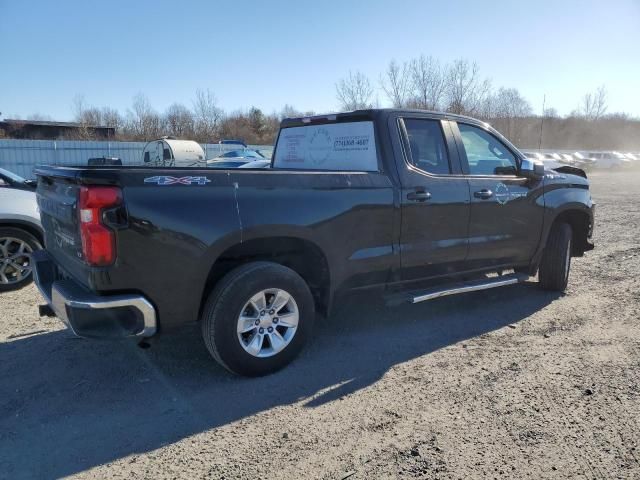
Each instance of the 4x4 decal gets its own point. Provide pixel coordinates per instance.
(166, 180)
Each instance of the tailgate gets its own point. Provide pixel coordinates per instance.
(57, 199)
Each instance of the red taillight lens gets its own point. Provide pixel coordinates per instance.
(98, 241)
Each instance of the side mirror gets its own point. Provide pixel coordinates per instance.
(531, 169)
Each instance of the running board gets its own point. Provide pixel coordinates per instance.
(470, 286)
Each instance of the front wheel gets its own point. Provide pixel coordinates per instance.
(258, 318)
(556, 259)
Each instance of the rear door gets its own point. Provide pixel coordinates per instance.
(506, 209)
(434, 199)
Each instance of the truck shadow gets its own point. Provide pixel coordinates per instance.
(67, 405)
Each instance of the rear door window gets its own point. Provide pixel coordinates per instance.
(427, 148)
(347, 146)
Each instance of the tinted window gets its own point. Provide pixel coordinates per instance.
(485, 153)
(426, 144)
(232, 154)
(11, 176)
(223, 164)
(241, 154)
(166, 154)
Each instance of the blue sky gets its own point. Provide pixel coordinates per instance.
(269, 53)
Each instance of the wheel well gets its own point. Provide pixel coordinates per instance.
(579, 223)
(33, 230)
(302, 256)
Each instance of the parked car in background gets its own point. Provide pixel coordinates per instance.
(609, 159)
(568, 158)
(114, 161)
(234, 159)
(547, 159)
(11, 180)
(171, 152)
(583, 161)
(257, 164)
(20, 230)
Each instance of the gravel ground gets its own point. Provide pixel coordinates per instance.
(508, 383)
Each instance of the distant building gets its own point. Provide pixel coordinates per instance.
(47, 130)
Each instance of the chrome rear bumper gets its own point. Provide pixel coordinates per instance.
(90, 315)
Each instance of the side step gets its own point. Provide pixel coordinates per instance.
(470, 286)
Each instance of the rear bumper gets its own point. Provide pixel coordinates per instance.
(90, 315)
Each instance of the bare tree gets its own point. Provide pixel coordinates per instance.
(465, 91)
(354, 92)
(179, 120)
(288, 111)
(112, 118)
(594, 105)
(207, 115)
(78, 106)
(85, 115)
(508, 108)
(509, 103)
(396, 83)
(143, 121)
(428, 80)
(38, 116)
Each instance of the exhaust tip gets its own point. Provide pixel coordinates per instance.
(46, 311)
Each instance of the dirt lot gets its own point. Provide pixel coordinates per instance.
(510, 383)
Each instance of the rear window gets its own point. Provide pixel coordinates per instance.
(338, 146)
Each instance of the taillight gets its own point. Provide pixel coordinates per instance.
(98, 241)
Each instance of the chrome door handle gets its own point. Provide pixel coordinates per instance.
(484, 194)
(419, 196)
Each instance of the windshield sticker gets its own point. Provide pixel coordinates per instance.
(166, 180)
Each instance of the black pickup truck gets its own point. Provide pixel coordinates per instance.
(416, 204)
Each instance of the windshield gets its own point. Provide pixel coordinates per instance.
(11, 176)
(242, 153)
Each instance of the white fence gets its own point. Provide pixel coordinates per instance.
(21, 156)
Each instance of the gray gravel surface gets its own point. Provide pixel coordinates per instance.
(508, 383)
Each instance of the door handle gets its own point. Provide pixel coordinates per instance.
(418, 196)
(483, 194)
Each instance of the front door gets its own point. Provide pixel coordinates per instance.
(506, 208)
(434, 200)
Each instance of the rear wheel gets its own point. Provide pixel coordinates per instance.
(556, 259)
(16, 247)
(258, 318)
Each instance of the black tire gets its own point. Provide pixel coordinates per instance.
(556, 259)
(7, 272)
(224, 306)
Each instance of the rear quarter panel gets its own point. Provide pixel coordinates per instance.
(176, 232)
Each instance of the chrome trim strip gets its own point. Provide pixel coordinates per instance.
(472, 287)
